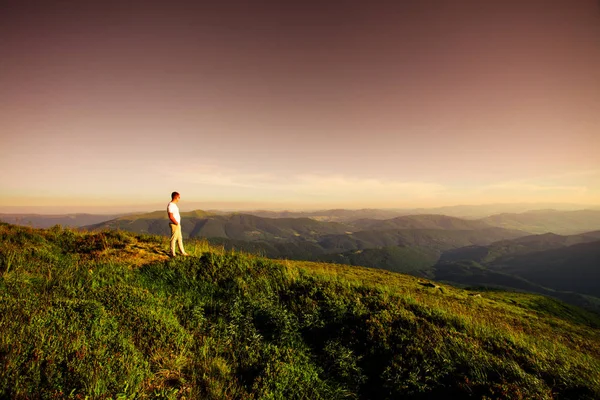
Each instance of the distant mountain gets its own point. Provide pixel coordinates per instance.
(334, 215)
(544, 221)
(546, 264)
(438, 239)
(409, 251)
(233, 226)
(519, 246)
(412, 251)
(412, 260)
(425, 221)
(574, 268)
(485, 210)
(46, 221)
(474, 275)
(435, 231)
(416, 242)
(459, 211)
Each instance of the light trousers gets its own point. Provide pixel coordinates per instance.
(176, 237)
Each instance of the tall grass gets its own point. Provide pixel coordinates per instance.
(109, 315)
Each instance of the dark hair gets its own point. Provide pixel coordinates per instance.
(173, 195)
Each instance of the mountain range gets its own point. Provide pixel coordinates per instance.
(444, 248)
(400, 244)
(544, 221)
(566, 267)
(545, 251)
(460, 211)
(437, 232)
(46, 221)
(565, 222)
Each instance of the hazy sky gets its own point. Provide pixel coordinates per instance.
(268, 104)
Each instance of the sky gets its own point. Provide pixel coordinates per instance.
(111, 106)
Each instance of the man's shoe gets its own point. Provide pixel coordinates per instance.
(185, 254)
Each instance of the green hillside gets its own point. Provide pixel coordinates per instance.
(109, 315)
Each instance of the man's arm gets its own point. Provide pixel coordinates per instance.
(172, 218)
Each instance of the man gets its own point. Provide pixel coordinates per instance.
(175, 224)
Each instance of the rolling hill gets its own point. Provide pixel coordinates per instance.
(545, 221)
(308, 239)
(567, 267)
(109, 315)
(243, 227)
(416, 229)
(574, 268)
(519, 246)
(439, 239)
(333, 215)
(412, 260)
(459, 211)
(46, 221)
(422, 221)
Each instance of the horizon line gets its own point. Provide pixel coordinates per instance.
(52, 210)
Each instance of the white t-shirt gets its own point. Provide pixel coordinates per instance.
(173, 209)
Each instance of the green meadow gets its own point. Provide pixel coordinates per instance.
(108, 315)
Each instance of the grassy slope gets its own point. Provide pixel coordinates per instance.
(108, 315)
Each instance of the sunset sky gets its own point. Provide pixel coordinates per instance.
(111, 106)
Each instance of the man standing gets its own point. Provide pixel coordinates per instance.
(175, 224)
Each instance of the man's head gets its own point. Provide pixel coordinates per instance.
(175, 197)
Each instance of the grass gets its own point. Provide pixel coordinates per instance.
(109, 315)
